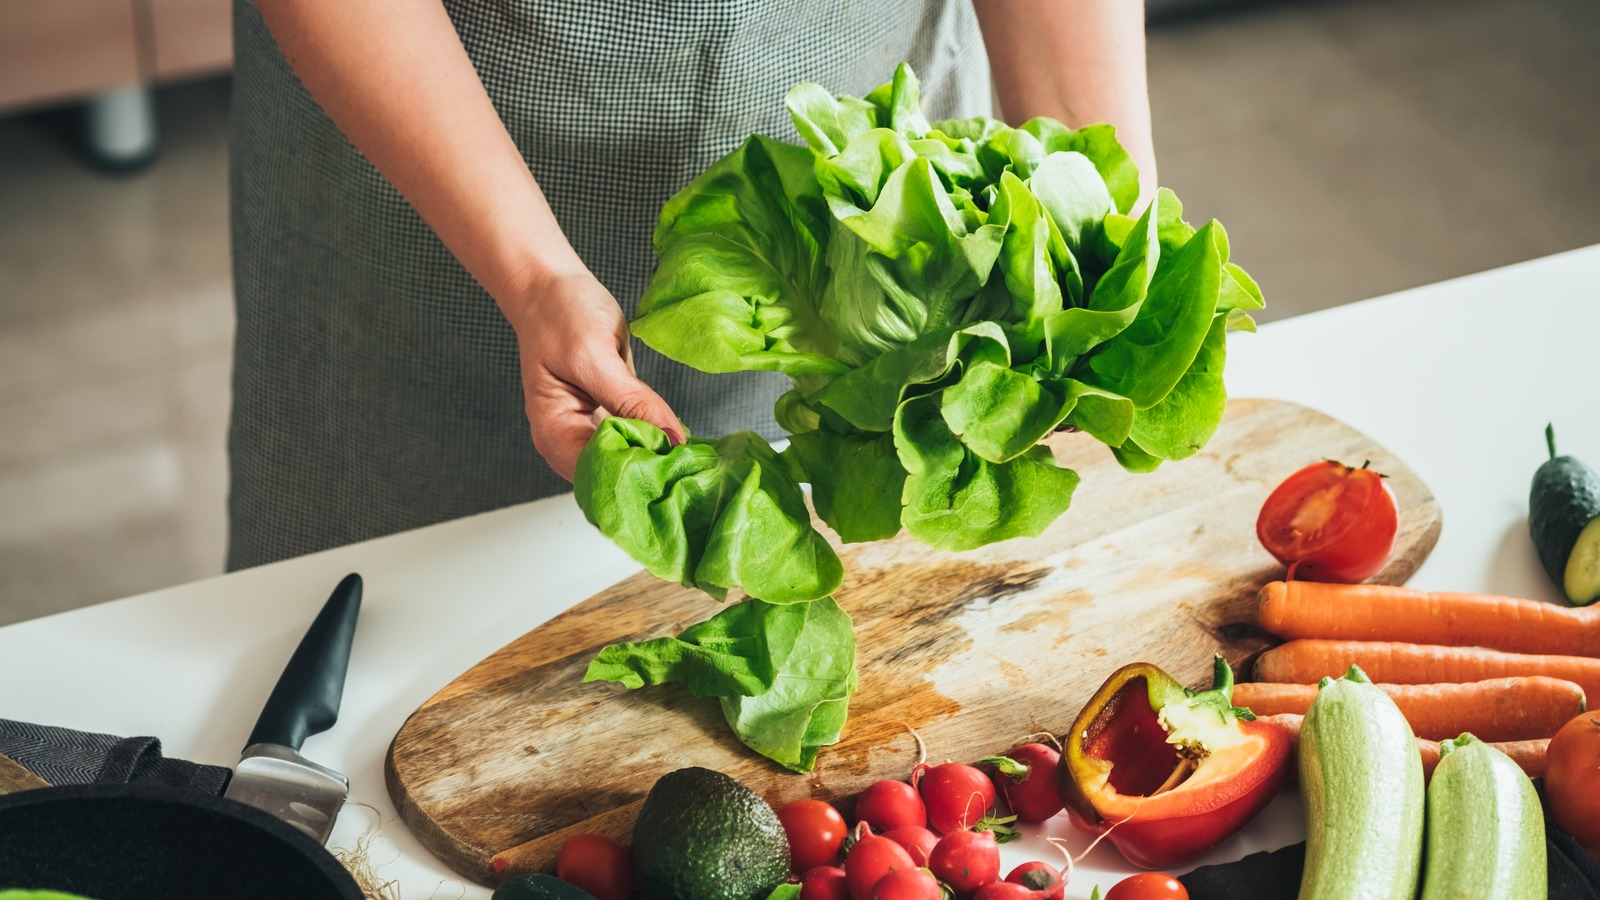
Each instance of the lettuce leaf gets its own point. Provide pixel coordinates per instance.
(708, 514)
(784, 672)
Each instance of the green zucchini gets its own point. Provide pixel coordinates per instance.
(538, 887)
(1564, 519)
(1361, 783)
(1485, 827)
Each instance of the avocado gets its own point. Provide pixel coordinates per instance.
(1564, 520)
(704, 836)
(538, 887)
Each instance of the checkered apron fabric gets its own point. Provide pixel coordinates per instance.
(375, 384)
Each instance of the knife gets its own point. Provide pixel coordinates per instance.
(271, 774)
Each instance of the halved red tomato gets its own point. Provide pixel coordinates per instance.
(1330, 522)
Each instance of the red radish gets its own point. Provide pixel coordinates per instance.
(870, 858)
(917, 840)
(956, 795)
(966, 861)
(1006, 890)
(887, 805)
(907, 884)
(1026, 777)
(824, 883)
(1045, 879)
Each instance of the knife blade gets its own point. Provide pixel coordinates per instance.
(271, 774)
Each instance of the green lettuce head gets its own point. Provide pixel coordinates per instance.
(944, 295)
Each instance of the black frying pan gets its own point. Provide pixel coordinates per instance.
(143, 842)
(147, 842)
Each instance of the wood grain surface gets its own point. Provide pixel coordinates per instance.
(972, 649)
(15, 778)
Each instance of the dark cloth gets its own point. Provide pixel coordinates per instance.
(63, 756)
(376, 385)
(1574, 874)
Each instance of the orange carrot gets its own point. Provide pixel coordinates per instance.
(1500, 709)
(1530, 755)
(1307, 660)
(1377, 612)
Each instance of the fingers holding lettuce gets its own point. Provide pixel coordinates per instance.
(577, 368)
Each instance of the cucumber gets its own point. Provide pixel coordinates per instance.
(1564, 519)
(1361, 783)
(538, 887)
(1485, 827)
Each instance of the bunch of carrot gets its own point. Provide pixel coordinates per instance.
(1510, 671)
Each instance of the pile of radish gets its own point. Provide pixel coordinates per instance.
(930, 837)
(913, 839)
(937, 834)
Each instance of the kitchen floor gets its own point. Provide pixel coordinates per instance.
(1352, 147)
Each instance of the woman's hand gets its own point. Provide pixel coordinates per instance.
(577, 367)
(395, 78)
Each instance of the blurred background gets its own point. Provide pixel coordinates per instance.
(1352, 147)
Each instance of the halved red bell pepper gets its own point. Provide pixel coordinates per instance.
(1168, 772)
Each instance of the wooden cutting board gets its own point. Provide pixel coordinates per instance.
(972, 649)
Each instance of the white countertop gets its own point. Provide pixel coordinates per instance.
(1457, 378)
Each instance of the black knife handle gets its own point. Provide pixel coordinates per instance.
(306, 699)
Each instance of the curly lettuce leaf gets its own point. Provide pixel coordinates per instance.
(1185, 419)
(736, 651)
(1099, 144)
(740, 267)
(869, 396)
(956, 500)
(784, 673)
(905, 267)
(856, 481)
(806, 707)
(1146, 360)
(709, 514)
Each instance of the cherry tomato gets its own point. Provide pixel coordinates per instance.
(1330, 522)
(815, 830)
(596, 864)
(887, 805)
(907, 884)
(1148, 886)
(824, 883)
(1572, 780)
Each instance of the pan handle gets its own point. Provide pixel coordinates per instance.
(306, 698)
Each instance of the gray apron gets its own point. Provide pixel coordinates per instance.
(375, 384)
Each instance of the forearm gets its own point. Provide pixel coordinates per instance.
(1079, 61)
(392, 74)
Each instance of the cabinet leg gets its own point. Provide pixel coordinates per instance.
(119, 128)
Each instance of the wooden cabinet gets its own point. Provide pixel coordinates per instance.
(189, 37)
(60, 50)
(57, 51)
